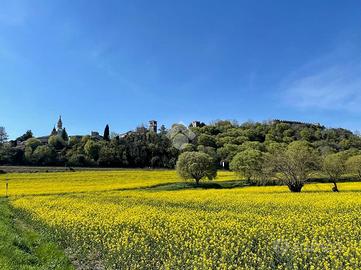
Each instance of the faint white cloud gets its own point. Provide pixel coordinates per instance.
(329, 83)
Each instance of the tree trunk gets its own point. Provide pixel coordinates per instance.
(197, 182)
(335, 188)
(295, 187)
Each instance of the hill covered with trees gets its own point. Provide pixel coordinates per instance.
(222, 140)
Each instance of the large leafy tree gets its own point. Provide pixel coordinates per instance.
(44, 155)
(333, 165)
(32, 143)
(56, 142)
(353, 165)
(248, 163)
(196, 165)
(92, 149)
(11, 155)
(294, 165)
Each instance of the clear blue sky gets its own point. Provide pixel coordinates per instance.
(126, 62)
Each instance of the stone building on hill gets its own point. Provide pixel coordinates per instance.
(59, 129)
(153, 126)
(56, 131)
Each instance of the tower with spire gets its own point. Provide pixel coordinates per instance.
(59, 127)
(60, 123)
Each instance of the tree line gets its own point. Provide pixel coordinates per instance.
(258, 151)
(293, 165)
(137, 149)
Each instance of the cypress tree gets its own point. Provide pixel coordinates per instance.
(64, 135)
(106, 133)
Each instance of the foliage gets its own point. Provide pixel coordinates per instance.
(64, 135)
(3, 135)
(32, 143)
(27, 135)
(10, 155)
(43, 155)
(333, 166)
(57, 142)
(92, 149)
(221, 139)
(248, 163)
(106, 134)
(353, 165)
(196, 165)
(295, 164)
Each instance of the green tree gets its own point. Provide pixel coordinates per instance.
(333, 165)
(92, 149)
(228, 151)
(353, 165)
(195, 165)
(44, 155)
(3, 135)
(64, 135)
(108, 156)
(27, 135)
(248, 163)
(74, 141)
(32, 143)
(207, 140)
(57, 142)
(10, 155)
(295, 165)
(306, 134)
(106, 135)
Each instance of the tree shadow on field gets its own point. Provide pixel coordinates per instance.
(203, 185)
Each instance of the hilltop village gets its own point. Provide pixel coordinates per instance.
(159, 147)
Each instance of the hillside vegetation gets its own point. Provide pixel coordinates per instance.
(222, 140)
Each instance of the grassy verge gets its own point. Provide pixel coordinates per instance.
(23, 248)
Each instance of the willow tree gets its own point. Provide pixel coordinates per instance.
(294, 165)
(333, 165)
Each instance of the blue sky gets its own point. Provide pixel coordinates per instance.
(126, 62)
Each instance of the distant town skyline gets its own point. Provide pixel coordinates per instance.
(124, 63)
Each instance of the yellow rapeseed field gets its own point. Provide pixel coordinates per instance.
(242, 228)
(85, 181)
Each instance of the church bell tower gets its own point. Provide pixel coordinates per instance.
(60, 124)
